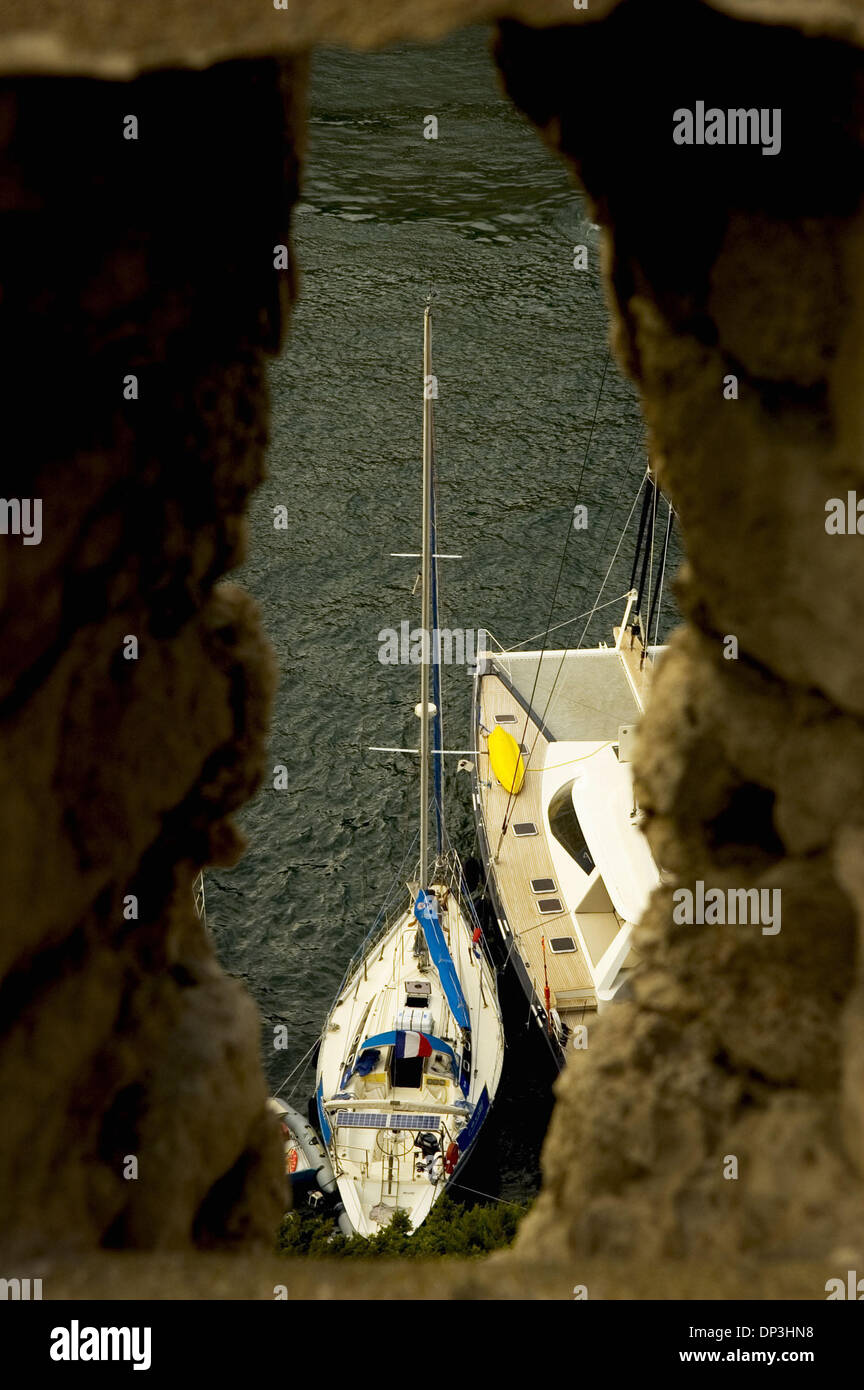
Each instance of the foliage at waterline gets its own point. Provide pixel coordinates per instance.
(449, 1229)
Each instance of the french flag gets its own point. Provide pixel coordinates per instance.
(413, 1045)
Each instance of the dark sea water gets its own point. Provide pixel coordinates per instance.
(486, 216)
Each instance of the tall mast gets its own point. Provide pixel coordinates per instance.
(425, 621)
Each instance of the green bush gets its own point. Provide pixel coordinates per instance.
(449, 1229)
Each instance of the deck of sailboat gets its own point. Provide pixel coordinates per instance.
(374, 1180)
(639, 669)
(581, 696)
(525, 857)
(577, 697)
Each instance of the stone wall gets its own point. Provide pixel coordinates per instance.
(154, 258)
(140, 299)
(724, 263)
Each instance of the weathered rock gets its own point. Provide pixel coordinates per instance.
(110, 39)
(724, 262)
(121, 1037)
(240, 1275)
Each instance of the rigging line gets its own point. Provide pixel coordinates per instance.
(566, 623)
(520, 1206)
(395, 886)
(596, 606)
(591, 615)
(601, 548)
(557, 586)
(645, 551)
(651, 563)
(646, 502)
(509, 952)
(298, 1066)
(594, 609)
(584, 630)
(658, 597)
(437, 684)
(624, 477)
(397, 881)
(640, 587)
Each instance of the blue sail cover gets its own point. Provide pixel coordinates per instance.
(326, 1131)
(472, 1129)
(390, 1039)
(427, 915)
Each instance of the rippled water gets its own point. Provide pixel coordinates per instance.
(487, 216)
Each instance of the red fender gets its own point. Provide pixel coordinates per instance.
(451, 1158)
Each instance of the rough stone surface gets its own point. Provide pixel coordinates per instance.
(121, 1037)
(507, 1276)
(120, 1034)
(749, 770)
(113, 39)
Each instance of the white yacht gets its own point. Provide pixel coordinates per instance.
(568, 870)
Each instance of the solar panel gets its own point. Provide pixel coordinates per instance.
(357, 1119)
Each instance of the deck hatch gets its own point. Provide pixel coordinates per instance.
(357, 1119)
(542, 885)
(505, 719)
(560, 944)
(550, 905)
(524, 827)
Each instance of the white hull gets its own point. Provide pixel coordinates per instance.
(565, 902)
(378, 1166)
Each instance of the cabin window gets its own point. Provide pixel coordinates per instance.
(542, 885)
(564, 824)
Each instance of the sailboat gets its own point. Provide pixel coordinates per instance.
(568, 870)
(412, 1050)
